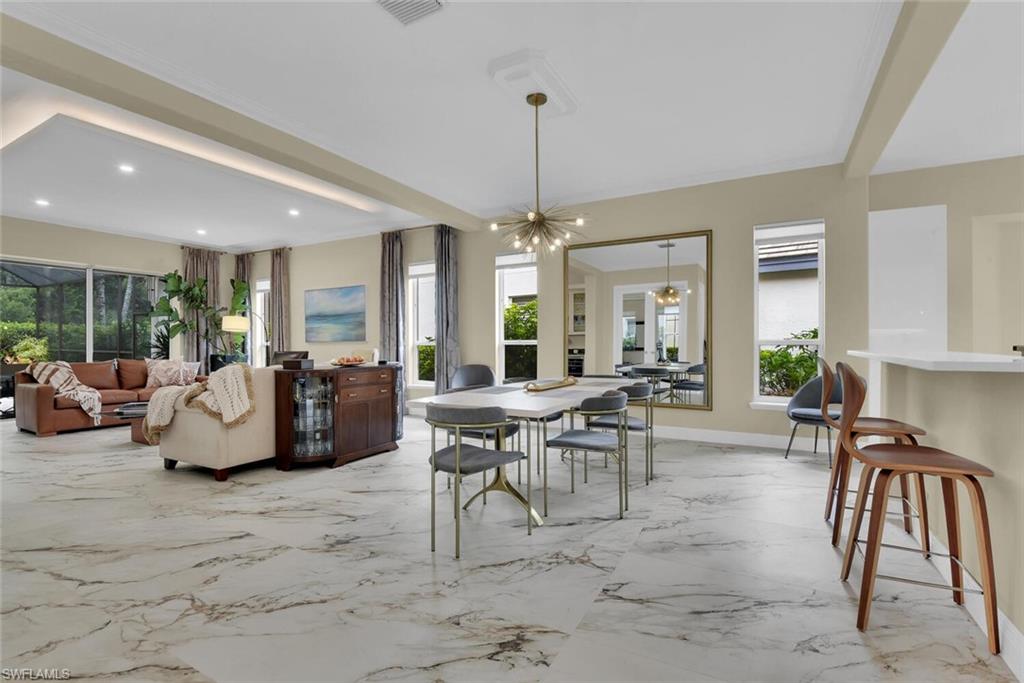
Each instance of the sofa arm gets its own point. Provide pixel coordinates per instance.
(33, 405)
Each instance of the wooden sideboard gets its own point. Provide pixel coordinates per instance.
(336, 415)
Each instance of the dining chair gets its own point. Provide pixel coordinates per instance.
(612, 402)
(641, 394)
(461, 459)
(690, 385)
(804, 408)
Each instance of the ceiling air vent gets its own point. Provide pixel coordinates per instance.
(408, 11)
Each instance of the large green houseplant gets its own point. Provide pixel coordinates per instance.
(183, 308)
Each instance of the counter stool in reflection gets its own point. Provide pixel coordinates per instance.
(612, 403)
(883, 462)
(461, 459)
(839, 482)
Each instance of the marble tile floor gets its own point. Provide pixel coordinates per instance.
(118, 569)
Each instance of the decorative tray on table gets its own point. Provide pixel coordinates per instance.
(548, 386)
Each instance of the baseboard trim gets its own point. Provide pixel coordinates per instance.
(1011, 640)
(753, 439)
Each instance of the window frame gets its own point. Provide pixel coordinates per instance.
(416, 273)
(258, 322)
(818, 235)
(503, 264)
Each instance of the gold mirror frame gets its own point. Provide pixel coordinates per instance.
(706, 234)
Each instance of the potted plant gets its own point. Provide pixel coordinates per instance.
(196, 315)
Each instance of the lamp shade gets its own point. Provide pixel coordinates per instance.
(234, 323)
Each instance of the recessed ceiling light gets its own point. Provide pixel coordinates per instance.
(42, 202)
(200, 231)
(293, 212)
(126, 168)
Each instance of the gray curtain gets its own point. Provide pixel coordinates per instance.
(243, 273)
(446, 306)
(280, 319)
(201, 263)
(392, 308)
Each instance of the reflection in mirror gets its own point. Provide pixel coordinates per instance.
(639, 309)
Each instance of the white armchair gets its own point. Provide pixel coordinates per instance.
(195, 437)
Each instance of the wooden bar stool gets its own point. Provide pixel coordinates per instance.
(882, 462)
(839, 483)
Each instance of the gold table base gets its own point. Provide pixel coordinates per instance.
(501, 484)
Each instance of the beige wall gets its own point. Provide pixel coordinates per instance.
(971, 192)
(21, 238)
(989, 429)
(731, 209)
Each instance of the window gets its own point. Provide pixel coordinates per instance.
(121, 321)
(420, 331)
(789, 300)
(43, 312)
(517, 316)
(259, 343)
(77, 314)
(668, 331)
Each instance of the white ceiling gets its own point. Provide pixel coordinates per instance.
(668, 94)
(637, 255)
(74, 165)
(971, 104)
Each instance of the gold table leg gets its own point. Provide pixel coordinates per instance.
(501, 484)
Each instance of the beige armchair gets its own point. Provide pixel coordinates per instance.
(195, 437)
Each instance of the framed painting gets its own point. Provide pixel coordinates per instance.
(336, 314)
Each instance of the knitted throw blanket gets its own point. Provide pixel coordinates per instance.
(226, 395)
(59, 375)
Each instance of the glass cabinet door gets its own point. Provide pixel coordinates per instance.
(313, 416)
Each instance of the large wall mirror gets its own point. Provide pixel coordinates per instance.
(641, 309)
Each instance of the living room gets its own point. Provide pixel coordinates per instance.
(390, 230)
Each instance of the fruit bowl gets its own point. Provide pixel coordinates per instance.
(348, 361)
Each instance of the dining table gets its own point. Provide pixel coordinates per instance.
(676, 371)
(533, 408)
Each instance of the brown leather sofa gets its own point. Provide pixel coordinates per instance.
(39, 411)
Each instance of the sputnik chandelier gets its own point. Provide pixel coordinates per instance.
(533, 229)
(667, 294)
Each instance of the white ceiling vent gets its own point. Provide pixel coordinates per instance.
(527, 71)
(408, 11)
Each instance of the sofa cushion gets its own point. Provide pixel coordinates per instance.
(107, 396)
(169, 373)
(96, 375)
(131, 374)
(146, 393)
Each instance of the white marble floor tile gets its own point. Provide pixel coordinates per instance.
(721, 570)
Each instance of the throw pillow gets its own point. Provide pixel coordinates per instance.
(170, 373)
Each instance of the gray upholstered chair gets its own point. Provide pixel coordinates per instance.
(805, 409)
(641, 394)
(655, 376)
(472, 377)
(612, 403)
(461, 459)
(690, 385)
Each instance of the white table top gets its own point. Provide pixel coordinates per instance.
(518, 402)
(947, 361)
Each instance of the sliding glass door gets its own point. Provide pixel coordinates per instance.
(45, 313)
(121, 307)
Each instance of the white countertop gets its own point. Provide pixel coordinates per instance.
(947, 361)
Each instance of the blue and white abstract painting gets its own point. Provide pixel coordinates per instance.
(337, 314)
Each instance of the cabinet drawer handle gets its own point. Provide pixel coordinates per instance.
(352, 395)
(352, 379)
(383, 375)
(383, 391)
